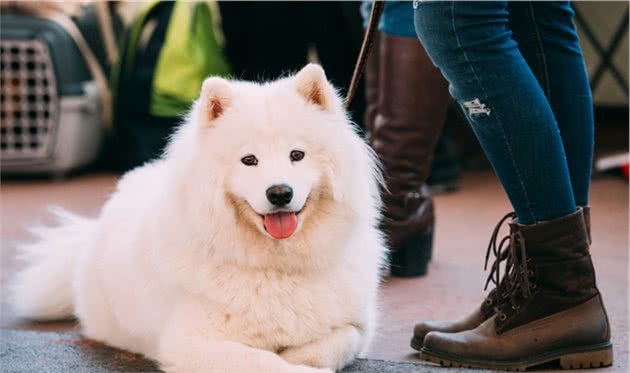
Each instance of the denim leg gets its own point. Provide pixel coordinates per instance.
(472, 44)
(547, 38)
(397, 17)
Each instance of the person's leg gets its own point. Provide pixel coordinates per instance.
(337, 43)
(264, 49)
(547, 38)
(412, 98)
(546, 306)
(503, 102)
(370, 76)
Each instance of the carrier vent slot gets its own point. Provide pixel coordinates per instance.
(29, 102)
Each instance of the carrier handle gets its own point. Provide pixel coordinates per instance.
(104, 16)
(91, 62)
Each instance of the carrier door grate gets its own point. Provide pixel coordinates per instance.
(28, 110)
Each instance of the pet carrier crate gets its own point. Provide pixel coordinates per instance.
(50, 116)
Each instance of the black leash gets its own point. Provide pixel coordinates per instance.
(368, 40)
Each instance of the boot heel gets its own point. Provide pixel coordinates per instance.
(411, 259)
(588, 359)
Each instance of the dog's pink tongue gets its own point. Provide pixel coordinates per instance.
(281, 225)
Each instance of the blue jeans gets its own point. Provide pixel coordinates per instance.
(517, 71)
(397, 17)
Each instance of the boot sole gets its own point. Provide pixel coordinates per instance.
(594, 356)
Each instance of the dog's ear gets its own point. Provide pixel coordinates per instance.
(312, 84)
(216, 95)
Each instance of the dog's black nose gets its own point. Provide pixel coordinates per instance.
(279, 195)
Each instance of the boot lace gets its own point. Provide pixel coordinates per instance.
(515, 285)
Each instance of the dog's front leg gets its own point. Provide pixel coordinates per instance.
(188, 345)
(335, 350)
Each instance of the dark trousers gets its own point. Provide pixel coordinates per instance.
(265, 40)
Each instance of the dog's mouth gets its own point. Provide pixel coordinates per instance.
(281, 225)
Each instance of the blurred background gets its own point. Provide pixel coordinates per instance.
(90, 90)
(102, 91)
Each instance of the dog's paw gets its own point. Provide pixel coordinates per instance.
(307, 355)
(301, 356)
(307, 369)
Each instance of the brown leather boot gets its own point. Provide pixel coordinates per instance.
(479, 314)
(486, 309)
(549, 308)
(371, 78)
(587, 220)
(412, 102)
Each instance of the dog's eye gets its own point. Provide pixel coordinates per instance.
(297, 155)
(249, 160)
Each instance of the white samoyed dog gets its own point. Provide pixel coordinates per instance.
(252, 245)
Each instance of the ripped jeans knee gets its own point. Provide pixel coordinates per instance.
(475, 107)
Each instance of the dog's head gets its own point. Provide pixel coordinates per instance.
(289, 167)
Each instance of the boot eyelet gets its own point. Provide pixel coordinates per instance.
(488, 302)
(516, 306)
(502, 317)
(530, 273)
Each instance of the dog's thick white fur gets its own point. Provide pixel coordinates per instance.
(179, 265)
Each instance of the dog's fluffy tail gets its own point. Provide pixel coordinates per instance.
(43, 289)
